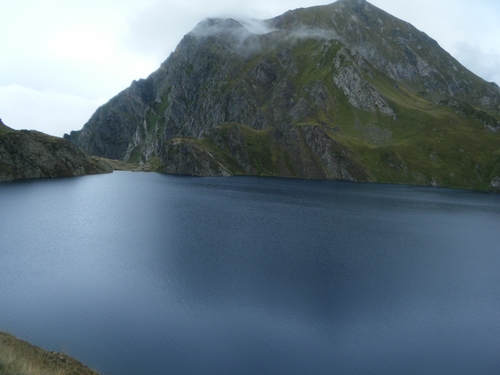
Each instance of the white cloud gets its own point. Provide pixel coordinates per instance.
(79, 43)
(50, 112)
(157, 29)
(484, 64)
(455, 24)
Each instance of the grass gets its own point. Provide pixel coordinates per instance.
(18, 357)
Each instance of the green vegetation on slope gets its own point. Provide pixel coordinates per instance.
(424, 143)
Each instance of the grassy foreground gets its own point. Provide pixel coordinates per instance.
(18, 357)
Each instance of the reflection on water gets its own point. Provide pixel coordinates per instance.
(147, 273)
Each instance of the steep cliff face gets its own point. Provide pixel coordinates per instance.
(371, 84)
(31, 154)
(110, 129)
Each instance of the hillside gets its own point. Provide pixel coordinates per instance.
(31, 154)
(18, 357)
(343, 91)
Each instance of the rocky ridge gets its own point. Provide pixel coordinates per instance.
(342, 79)
(31, 154)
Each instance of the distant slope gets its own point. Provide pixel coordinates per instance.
(343, 91)
(18, 357)
(31, 154)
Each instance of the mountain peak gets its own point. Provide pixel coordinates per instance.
(216, 26)
(354, 2)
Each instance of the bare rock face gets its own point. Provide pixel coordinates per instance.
(338, 161)
(361, 94)
(110, 129)
(30, 154)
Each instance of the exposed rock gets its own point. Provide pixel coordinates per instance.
(110, 130)
(231, 138)
(338, 161)
(361, 94)
(495, 184)
(31, 154)
(186, 157)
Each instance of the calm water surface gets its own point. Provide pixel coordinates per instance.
(137, 273)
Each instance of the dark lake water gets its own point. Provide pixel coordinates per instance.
(136, 273)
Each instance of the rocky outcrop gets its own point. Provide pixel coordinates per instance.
(361, 94)
(495, 184)
(31, 154)
(338, 161)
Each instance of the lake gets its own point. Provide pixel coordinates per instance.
(136, 273)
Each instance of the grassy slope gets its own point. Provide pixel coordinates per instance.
(18, 357)
(434, 141)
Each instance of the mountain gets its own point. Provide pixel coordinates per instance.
(343, 91)
(31, 154)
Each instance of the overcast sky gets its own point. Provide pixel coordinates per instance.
(60, 60)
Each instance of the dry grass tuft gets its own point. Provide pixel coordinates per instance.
(18, 357)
